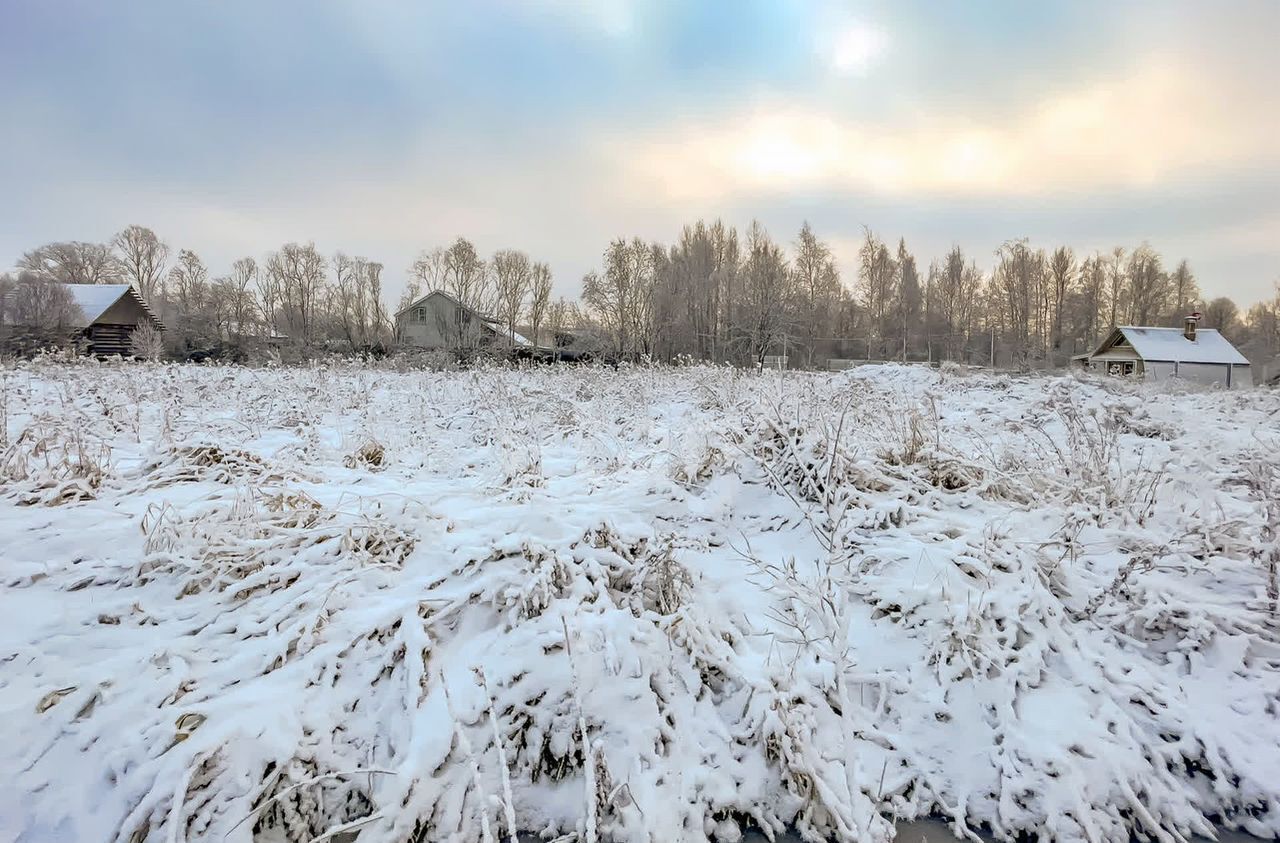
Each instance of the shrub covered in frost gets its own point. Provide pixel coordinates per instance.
(643, 604)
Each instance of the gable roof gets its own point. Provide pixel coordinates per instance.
(1170, 345)
(420, 299)
(91, 302)
(96, 299)
(493, 323)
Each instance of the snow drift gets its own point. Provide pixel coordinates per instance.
(651, 604)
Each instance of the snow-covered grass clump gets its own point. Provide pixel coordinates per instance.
(636, 605)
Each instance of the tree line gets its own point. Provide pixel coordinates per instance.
(714, 294)
(293, 292)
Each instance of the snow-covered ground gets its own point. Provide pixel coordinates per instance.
(637, 605)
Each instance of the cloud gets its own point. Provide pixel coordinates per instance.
(855, 48)
(1159, 122)
(556, 125)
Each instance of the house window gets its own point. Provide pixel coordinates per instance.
(1125, 367)
(420, 315)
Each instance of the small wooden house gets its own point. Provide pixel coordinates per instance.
(1196, 354)
(108, 316)
(98, 318)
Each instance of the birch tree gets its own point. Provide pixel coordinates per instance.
(765, 293)
(909, 294)
(817, 285)
(878, 278)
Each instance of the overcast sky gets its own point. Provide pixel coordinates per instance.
(381, 128)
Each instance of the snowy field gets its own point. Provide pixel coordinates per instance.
(645, 605)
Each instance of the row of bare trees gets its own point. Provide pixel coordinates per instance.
(718, 295)
(715, 294)
(294, 293)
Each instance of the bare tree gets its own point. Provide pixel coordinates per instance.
(142, 257)
(355, 300)
(878, 279)
(374, 310)
(297, 273)
(244, 275)
(817, 285)
(539, 300)
(690, 294)
(426, 275)
(1116, 285)
(766, 294)
(1062, 275)
(622, 298)
(909, 294)
(722, 286)
(1185, 292)
(953, 289)
(512, 275)
(74, 262)
(188, 298)
(36, 308)
(1263, 341)
(1223, 314)
(269, 295)
(1012, 281)
(1148, 286)
(1093, 287)
(346, 295)
(466, 277)
(558, 313)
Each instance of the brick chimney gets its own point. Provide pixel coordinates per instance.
(1189, 325)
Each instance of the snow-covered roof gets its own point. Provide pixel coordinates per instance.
(1169, 344)
(94, 299)
(450, 296)
(498, 328)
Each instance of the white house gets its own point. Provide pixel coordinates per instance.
(438, 320)
(1196, 354)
